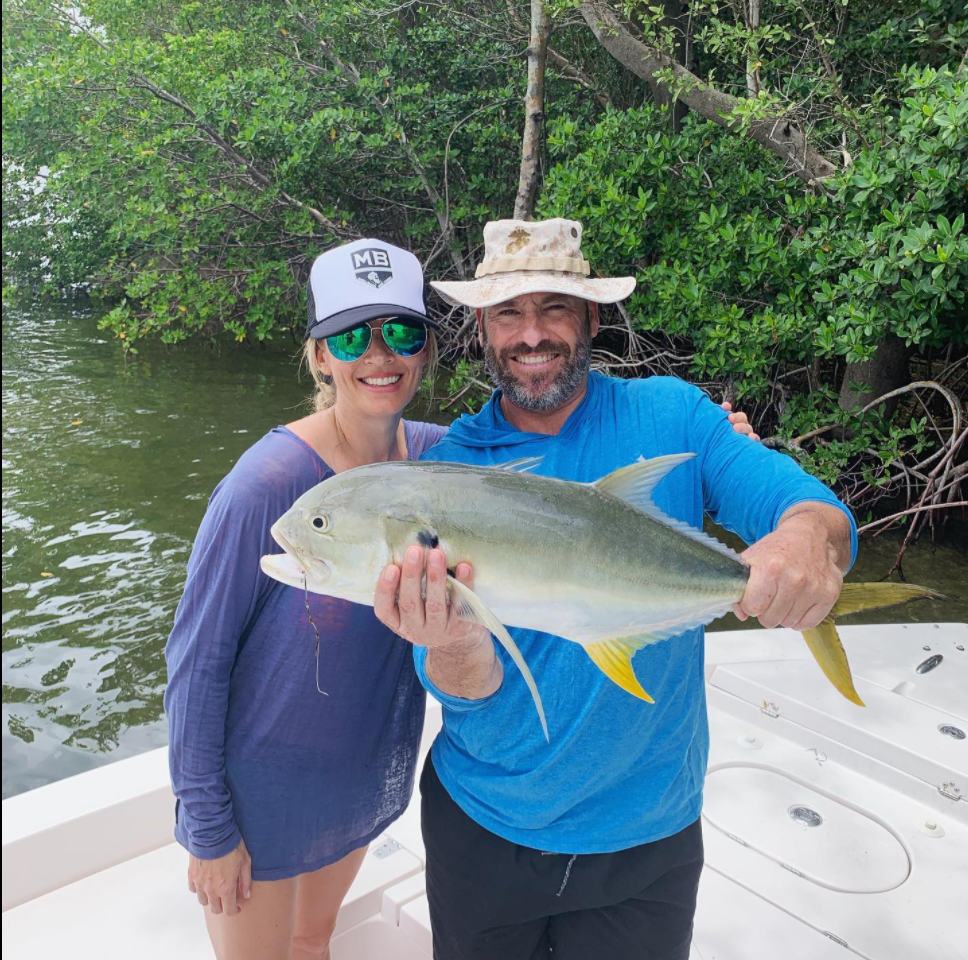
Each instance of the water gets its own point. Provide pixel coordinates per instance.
(107, 466)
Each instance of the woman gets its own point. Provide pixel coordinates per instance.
(280, 787)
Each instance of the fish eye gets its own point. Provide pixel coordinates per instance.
(321, 522)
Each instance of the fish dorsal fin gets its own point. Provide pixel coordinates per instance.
(521, 466)
(470, 607)
(634, 484)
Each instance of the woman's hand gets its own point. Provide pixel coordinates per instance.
(222, 884)
(739, 422)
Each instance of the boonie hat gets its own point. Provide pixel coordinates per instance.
(360, 281)
(524, 256)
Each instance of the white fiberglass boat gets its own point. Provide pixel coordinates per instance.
(831, 831)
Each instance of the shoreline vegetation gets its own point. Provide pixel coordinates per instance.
(786, 181)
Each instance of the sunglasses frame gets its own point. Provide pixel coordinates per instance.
(402, 321)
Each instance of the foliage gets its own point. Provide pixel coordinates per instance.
(186, 161)
(756, 276)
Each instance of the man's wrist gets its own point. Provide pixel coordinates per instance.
(824, 521)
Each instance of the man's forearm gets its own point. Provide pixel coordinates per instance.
(813, 516)
(469, 669)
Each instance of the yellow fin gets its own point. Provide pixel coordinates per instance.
(855, 597)
(614, 659)
(828, 651)
(824, 643)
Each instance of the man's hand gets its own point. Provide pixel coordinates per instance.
(739, 421)
(429, 622)
(224, 883)
(461, 660)
(796, 572)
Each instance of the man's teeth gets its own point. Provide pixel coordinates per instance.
(381, 381)
(537, 358)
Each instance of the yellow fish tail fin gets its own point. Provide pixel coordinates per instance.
(824, 643)
(855, 597)
(828, 651)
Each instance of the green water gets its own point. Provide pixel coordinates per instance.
(99, 515)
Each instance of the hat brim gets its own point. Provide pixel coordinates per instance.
(488, 291)
(341, 322)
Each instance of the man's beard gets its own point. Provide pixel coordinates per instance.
(531, 393)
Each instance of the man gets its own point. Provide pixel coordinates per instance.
(588, 846)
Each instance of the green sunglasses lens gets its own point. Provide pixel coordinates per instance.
(404, 339)
(350, 344)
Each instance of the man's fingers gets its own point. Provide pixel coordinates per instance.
(760, 591)
(436, 600)
(385, 602)
(465, 573)
(410, 601)
(814, 615)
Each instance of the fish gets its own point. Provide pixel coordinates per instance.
(637, 577)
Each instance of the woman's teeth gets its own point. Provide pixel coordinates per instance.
(537, 358)
(381, 381)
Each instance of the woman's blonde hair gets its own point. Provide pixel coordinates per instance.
(324, 393)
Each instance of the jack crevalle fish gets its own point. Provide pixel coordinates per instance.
(598, 564)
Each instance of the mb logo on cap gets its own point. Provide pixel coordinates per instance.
(372, 265)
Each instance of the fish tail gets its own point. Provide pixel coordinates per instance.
(824, 641)
(855, 597)
(828, 651)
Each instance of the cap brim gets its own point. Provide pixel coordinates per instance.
(341, 322)
(487, 291)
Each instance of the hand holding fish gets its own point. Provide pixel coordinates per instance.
(461, 659)
(797, 572)
(223, 883)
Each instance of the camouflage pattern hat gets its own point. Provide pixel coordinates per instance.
(522, 256)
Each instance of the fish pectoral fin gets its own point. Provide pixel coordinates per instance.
(824, 643)
(614, 659)
(521, 466)
(470, 607)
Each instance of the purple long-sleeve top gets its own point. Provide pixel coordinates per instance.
(255, 751)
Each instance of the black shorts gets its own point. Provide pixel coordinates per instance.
(491, 899)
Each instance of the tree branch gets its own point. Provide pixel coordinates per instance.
(780, 135)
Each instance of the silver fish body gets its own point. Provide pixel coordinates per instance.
(596, 564)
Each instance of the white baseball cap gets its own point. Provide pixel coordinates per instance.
(360, 281)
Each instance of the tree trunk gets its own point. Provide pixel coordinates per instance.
(781, 135)
(887, 371)
(533, 112)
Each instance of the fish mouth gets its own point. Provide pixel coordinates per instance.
(291, 567)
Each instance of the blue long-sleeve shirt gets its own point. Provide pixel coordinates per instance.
(618, 772)
(255, 751)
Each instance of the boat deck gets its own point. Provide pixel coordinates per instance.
(830, 831)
